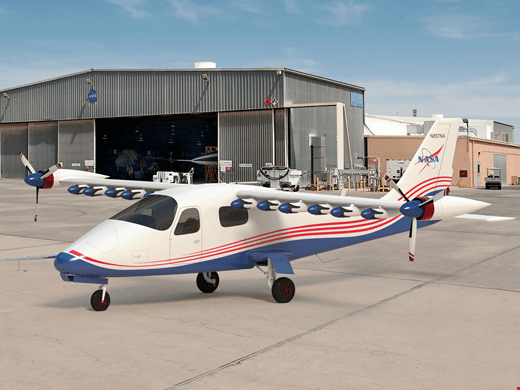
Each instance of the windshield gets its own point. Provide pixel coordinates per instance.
(154, 211)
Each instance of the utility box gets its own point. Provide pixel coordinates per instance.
(174, 177)
(396, 168)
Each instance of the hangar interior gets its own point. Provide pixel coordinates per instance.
(131, 123)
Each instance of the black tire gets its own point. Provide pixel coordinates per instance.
(184, 180)
(283, 290)
(96, 303)
(206, 287)
(296, 188)
(487, 186)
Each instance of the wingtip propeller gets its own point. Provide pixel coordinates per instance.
(44, 175)
(413, 225)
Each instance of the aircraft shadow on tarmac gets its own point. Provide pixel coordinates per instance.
(174, 290)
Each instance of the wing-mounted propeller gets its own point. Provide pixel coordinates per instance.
(42, 179)
(421, 208)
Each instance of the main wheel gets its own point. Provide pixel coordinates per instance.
(206, 287)
(96, 303)
(283, 290)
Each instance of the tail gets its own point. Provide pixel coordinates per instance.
(431, 168)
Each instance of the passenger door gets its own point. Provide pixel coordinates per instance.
(186, 237)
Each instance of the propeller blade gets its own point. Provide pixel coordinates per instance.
(394, 185)
(50, 171)
(36, 209)
(411, 242)
(26, 163)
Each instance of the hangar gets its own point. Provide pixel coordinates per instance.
(131, 123)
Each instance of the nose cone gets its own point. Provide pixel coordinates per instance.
(35, 180)
(64, 262)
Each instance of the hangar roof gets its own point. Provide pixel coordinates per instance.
(148, 92)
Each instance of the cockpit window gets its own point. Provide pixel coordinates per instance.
(154, 211)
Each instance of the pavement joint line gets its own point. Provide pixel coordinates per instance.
(32, 246)
(356, 274)
(327, 324)
(480, 287)
(34, 238)
(293, 338)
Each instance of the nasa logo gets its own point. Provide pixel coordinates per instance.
(428, 158)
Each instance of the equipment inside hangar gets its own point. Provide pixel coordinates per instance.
(132, 123)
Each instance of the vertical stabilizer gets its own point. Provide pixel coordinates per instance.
(431, 168)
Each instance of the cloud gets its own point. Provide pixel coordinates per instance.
(192, 12)
(344, 14)
(462, 27)
(251, 6)
(132, 8)
(494, 96)
(291, 7)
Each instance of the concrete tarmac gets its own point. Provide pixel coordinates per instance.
(363, 317)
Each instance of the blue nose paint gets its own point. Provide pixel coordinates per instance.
(35, 180)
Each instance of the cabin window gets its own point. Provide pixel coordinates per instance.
(230, 216)
(189, 222)
(154, 211)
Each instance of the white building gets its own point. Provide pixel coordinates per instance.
(410, 125)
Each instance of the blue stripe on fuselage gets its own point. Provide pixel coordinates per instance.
(70, 264)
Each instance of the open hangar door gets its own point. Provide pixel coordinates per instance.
(136, 148)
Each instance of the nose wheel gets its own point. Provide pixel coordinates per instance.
(100, 300)
(207, 282)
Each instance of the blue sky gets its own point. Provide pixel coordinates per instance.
(460, 58)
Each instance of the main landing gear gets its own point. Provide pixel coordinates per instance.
(282, 289)
(100, 300)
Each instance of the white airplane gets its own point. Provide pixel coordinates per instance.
(209, 228)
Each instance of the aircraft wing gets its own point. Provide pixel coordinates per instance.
(116, 183)
(292, 198)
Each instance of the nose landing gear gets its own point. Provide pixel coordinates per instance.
(100, 300)
(207, 282)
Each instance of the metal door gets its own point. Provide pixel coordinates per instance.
(499, 161)
(13, 141)
(478, 174)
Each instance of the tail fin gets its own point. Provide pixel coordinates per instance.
(431, 168)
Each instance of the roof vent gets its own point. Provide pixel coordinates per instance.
(205, 64)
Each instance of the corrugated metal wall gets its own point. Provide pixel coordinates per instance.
(13, 140)
(500, 161)
(281, 137)
(320, 120)
(76, 143)
(141, 93)
(43, 144)
(245, 138)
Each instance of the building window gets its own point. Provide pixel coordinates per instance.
(230, 216)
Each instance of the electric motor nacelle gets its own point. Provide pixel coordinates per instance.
(345, 211)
